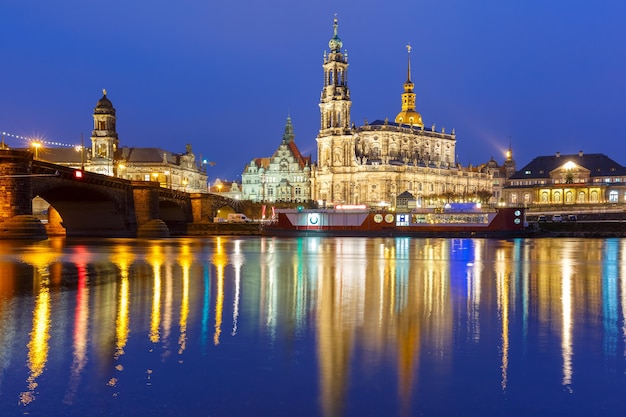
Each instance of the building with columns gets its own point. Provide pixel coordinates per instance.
(570, 181)
(283, 177)
(374, 163)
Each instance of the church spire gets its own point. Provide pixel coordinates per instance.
(335, 99)
(408, 115)
(288, 136)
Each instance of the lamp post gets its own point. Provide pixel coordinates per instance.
(36, 145)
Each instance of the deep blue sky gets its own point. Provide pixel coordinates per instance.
(223, 76)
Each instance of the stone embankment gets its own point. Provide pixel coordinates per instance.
(586, 224)
(605, 228)
(230, 229)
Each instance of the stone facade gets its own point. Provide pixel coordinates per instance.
(374, 163)
(176, 171)
(283, 177)
(499, 176)
(578, 180)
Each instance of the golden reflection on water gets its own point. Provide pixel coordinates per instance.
(156, 259)
(185, 258)
(567, 325)
(502, 288)
(38, 345)
(220, 260)
(393, 300)
(123, 258)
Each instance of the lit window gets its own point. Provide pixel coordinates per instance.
(613, 196)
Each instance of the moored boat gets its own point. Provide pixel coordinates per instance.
(452, 221)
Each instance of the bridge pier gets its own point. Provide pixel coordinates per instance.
(146, 198)
(16, 207)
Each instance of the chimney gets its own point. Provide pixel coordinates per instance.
(580, 153)
(558, 154)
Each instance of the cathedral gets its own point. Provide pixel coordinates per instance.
(375, 163)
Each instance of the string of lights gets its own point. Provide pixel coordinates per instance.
(39, 140)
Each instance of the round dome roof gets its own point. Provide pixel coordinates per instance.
(104, 102)
(409, 117)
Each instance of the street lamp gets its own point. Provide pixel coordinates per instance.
(36, 145)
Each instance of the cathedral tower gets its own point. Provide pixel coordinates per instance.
(334, 141)
(335, 101)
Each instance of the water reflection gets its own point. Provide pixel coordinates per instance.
(415, 308)
(38, 345)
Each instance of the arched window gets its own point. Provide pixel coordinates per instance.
(581, 197)
(557, 197)
(569, 197)
(613, 196)
(594, 197)
(544, 197)
(514, 198)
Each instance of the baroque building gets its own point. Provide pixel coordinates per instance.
(374, 163)
(573, 181)
(177, 171)
(283, 177)
(499, 175)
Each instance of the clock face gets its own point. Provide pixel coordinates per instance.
(378, 218)
(389, 218)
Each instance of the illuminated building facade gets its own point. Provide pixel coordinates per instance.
(284, 177)
(172, 170)
(499, 175)
(373, 163)
(568, 180)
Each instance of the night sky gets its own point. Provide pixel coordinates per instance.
(223, 76)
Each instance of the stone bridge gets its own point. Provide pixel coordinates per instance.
(85, 204)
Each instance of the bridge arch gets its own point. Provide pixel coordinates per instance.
(87, 210)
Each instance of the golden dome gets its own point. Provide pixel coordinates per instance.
(409, 117)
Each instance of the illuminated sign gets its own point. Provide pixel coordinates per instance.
(313, 219)
(351, 207)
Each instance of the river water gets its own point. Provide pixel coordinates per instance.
(330, 327)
